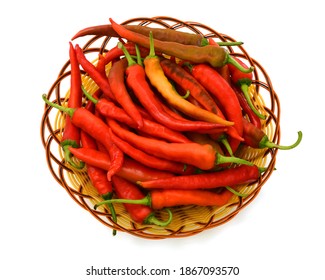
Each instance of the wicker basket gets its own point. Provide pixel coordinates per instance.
(187, 220)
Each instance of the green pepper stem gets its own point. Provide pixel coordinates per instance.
(68, 155)
(223, 139)
(244, 87)
(139, 58)
(152, 46)
(89, 96)
(235, 192)
(108, 196)
(266, 143)
(152, 219)
(128, 57)
(229, 44)
(67, 110)
(143, 201)
(231, 60)
(224, 159)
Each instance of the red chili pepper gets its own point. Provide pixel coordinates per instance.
(98, 78)
(131, 170)
(158, 199)
(116, 80)
(213, 55)
(98, 176)
(71, 133)
(201, 156)
(141, 214)
(136, 80)
(95, 127)
(110, 110)
(256, 138)
(234, 176)
(149, 160)
(244, 80)
(225, 95)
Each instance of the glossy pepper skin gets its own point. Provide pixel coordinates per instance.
(162, 34)
(242, 174)
(71, 133)
(213, 55)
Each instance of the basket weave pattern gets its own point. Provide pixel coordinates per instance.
(187, 220)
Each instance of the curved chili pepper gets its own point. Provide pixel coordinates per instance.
(159, 199)
(131, 170)
(201, 156)
(116, 80)
(136, 80)
(242, 174)
(225, 95)
(163, 34)
(71, 133)
(98, 176)
(149, 160)
(214, 55)
(141, 214)
(110, 110)
(158, 79)
(244, 80)
(256, 138)
(98, 78)
(95, 127)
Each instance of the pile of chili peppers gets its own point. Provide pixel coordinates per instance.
(163, 128)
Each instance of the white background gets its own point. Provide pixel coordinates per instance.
(46, 235)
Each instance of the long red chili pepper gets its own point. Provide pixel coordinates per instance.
(149, 160)
(98, 176)
(141, 214)
(244, 80)
(159, 199)
(131, 170)
(98, 78)
(71, 133)
(116, 80)
(136, 80)
(201, 156)
(225, 95)
(95, 127)
(256, 138)
(158, 79)
(109, 109)
(213, 55)
(234, 176)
